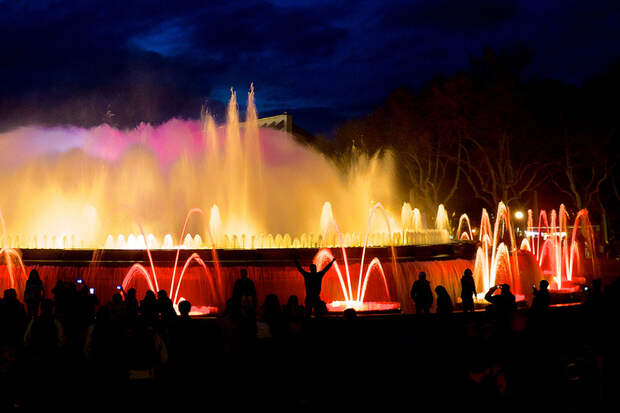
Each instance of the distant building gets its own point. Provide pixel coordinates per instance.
(284, 122)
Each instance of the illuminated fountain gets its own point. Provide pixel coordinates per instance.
(75, 194)
(10, 258)
(152, 280)
(494, 256)
(464, 231)
(64, 187)
(324, 256)
(66, 193)
(545, 252)
(558, 255)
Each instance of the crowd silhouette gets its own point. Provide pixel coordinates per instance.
(251, 354)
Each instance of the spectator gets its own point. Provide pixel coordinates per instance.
(13, 320)
(116, 307)
(313, 280)
(422, 294)
(502, 304)
(594, 297)
(60, 299)
(468, 291)
(146, 352)
(542, 298)
(34, 293)
(132, 307)
(148, 307)
(444, 302)
(184, 309)
(104, 347)
(293, 315)
(272, 315)
(165, 309)
(244, 287)
(44, 335)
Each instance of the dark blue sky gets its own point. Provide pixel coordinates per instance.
(322, 61)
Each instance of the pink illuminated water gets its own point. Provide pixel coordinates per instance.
(61, 187)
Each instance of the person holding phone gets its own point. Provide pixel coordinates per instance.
(542, 298)
(504, 303)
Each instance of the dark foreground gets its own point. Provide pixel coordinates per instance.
(566, 360)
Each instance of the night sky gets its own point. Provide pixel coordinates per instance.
(322, 61)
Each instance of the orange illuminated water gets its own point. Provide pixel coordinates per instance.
(70, 187)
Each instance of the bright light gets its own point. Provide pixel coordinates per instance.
(519, 215)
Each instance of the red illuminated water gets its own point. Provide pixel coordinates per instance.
(559, 254)
(10, 258)
(351, 300)
(175, 284)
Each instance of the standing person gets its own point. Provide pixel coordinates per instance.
(312, 281)
(542, 298)
(468, 291)
(34, 293)
(131, 304)
(244, 287)
(422, 294)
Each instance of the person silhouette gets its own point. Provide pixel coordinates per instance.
(34, 293)
(542, 298)
(131, 304)
(468, 291)
(444, 302)
(184, 309)
(594, 298)
(13, 320)
(504, 303)
(422, 294)
(165, 309)
(148, 307)
(312, 282)
(244, 287)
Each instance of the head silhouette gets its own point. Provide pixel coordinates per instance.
(149, 295)
(131, 293)
(544, 284)
(312, 268)
(244, 273)
(293, 300)
(422, 276)
(184, 308)
(505, 288)
(34, 276)
(440, 290)
(10, 295)
(117, 298)
(162, 295)
(468, 272)
(350, 314)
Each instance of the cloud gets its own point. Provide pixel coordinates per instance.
(452, 15)
(67, 62)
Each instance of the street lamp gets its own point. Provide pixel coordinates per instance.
(519, 215)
